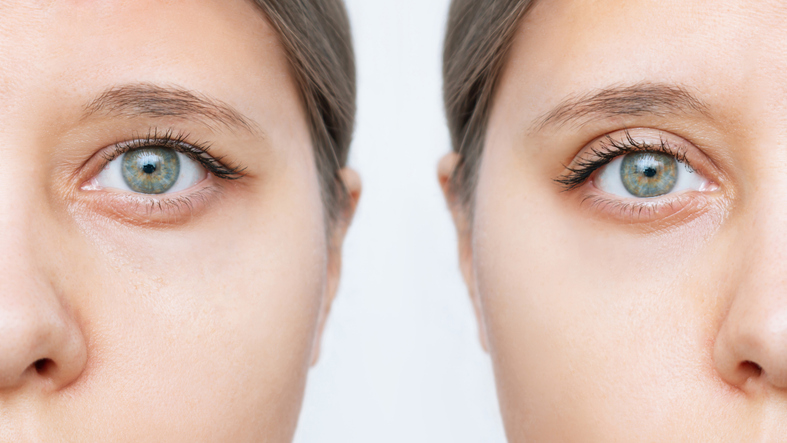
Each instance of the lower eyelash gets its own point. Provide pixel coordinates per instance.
(175, 206)
(161, 211)
(634, 212)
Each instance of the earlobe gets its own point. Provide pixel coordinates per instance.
(461, 217)
(352, 184)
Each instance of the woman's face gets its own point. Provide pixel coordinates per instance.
(638, 300)
(162, 295)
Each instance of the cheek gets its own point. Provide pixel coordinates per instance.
(211, 323)
(590, 322)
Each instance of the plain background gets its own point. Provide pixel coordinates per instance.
(401, 360)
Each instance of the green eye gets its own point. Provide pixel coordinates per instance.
(649, 174)
(150, 170)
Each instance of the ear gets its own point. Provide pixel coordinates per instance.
(352, 183)
(464, 233)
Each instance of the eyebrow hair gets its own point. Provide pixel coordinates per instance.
(657, 99)
(156, 101)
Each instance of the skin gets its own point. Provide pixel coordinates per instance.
(615, 325)
(187, 324)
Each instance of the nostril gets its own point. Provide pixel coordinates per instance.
(751, 369)
(44, 366)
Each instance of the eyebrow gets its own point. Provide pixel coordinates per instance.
(658, 99)
(157, 101)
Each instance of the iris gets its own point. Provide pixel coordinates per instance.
(649, 174)
(151, 170)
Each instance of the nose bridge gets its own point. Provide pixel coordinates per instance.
(23, 215)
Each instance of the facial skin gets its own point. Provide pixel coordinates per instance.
(190, 316)
(622, 319)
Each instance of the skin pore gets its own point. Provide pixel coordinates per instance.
(184, 316)
(619, 318)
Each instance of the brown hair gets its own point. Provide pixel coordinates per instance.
(316, 37)
(477, 41)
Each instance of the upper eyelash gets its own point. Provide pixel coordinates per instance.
(199, 152)
(583, 168)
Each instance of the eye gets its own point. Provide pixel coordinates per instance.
(648, 174)
(151, 170)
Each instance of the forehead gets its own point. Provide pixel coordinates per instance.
(724, 49)
(75, 47)
(112, 27)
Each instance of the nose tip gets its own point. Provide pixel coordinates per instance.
(752, 347)
(39, 343)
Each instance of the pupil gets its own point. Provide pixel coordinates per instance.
(650, 172)
(149, 169)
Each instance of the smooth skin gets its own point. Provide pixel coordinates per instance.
(126, 320)
(652, 322)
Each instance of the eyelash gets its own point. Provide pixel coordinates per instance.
(583, 168)
(163, 209)
(199, 152)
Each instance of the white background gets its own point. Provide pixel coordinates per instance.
(401, 359)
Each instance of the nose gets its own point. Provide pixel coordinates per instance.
(752, 344)
(41, 342)
(750, 351)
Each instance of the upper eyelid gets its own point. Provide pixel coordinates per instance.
(197, 151)
(579, 170)
(169, 139)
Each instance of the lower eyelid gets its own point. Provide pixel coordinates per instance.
(151, 211)
(623, 211)
(664, 210)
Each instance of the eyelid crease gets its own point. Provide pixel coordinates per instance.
(582, 168)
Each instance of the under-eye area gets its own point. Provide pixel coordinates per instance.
(641, 175)
(159, 177)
